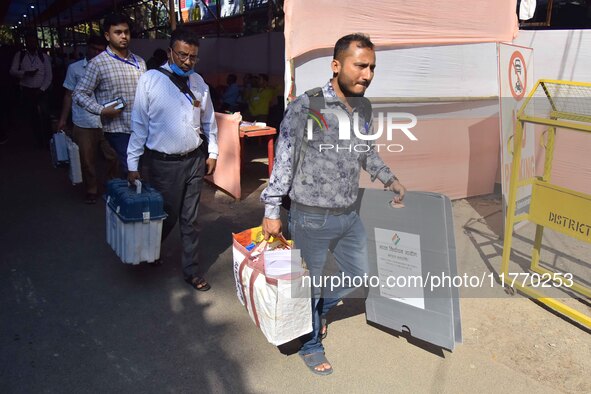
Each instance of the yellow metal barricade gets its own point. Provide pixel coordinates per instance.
(567, 105)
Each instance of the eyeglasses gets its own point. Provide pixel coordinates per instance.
(184, 56)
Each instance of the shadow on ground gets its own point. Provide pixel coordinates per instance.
(74, 318)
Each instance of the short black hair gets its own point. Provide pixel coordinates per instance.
(114, 19)
(265, 77)
(343, 44)
(94, 39)
(232, 78)
(185, 35)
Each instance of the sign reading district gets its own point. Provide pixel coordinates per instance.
(399, 266)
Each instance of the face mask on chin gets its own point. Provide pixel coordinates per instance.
(179, 71)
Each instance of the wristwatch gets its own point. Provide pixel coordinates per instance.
(391, 181)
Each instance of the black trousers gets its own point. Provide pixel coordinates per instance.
(35, 108)
(180, 183)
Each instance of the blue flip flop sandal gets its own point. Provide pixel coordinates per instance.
(313, 360)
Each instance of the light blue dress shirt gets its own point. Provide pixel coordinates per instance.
(165, 120)
(80, 116)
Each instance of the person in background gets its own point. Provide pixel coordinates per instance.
(213, 92)
(245, 91)
(231, 95)
(158, 58)
(8, 90)
(33, 69)
(113, 75)
(260, 99)
(175, 125)
(87, 132)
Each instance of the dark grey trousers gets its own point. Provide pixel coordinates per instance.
(180, 184)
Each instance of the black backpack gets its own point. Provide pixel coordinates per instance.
(317, 102)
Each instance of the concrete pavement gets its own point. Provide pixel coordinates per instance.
(74, 319)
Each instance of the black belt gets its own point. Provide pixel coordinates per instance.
(173, 156)
(319, 210)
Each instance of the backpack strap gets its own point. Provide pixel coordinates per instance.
(365, 109)
(317, 102)
(316, 92)
(177, 82)
(316, 97)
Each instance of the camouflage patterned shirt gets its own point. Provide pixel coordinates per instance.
(327, 168)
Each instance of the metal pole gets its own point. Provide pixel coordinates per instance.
(89, 23)
(50, 29)
(137, 21)
(41, 23)
(219, 23)
(33, 20)
(172, 15)
(72, 29)
(218, 11)
(60, 41)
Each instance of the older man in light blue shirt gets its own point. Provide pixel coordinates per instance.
(87, 131)
(173, 117)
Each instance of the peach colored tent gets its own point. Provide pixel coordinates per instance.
(311, 25)
(317, 24)
(456, 155)
(227, 172)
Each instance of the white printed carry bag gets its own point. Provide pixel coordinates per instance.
(278, 304)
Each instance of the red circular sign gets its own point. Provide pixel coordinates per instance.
(517, 75)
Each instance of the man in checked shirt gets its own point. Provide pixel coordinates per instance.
(111, 75)
(323, 184)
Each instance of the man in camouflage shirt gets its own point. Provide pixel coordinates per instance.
(321, 176)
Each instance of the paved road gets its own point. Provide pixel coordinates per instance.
(73, 319)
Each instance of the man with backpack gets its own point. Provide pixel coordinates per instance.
(32, 68)
(323, 183)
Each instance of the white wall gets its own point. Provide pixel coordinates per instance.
(468, 70)
(559, 54)
(459, 141)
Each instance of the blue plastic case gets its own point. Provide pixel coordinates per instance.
(130, 206)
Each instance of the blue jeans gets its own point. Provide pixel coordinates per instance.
(315, 234)
(119, 142)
